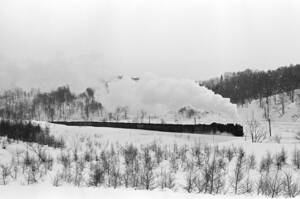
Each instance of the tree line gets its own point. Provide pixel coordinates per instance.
(28, 132)
(248, 85)
(59, 104)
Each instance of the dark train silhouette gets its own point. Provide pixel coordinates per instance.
(213, 128)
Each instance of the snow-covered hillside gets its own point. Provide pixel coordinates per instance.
(282, 109)
(283, 113)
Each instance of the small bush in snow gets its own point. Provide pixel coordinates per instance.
(274, 184)
(290, 186)
(266, 163)
(147, 174)
(5, 173)
(246, 186)
(277, 139)
(212, 176)
(97, 175)
(78, 176)
(166, 179)
(296, 158)
(57, 179)
(251, 162)
(270, 184)
(190, 177)
(229, 153)
(280, 159)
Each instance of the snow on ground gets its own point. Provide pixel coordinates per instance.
(285, 130)
(127, 136)
(143, 137)
(46, 192)
(81, 136)
(276, 105)
(285, 127)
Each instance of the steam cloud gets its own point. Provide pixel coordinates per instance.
(159, 95)
(150, 93)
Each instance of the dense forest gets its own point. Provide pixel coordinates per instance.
(247, 85)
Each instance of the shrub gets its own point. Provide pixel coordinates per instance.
(28, 132)
(147, 175)
(266, 163)
(97, 175)
(5, 173)
(296, 158)
(280, 159)
(290, 187)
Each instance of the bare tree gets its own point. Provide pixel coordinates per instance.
(166, 179)
(280, 159)
(32, 173)
(274, 184)
(212, 174)
(290, 187)
(282, 102)
(97, 175)
(115, 175)
(57, 179)
(190, 177)
(14, 168)
(255, 130)
(296, 158)
(266, 163)
(270, 184)
(229, 153)
(239, 170)
(78, 176)
(251, 162)
(247, 186)
(5, 173)
(147, 175)
(65, 160)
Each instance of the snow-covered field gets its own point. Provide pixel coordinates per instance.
(287, 131)
(127, 136)
(46, 192)
(93, 140)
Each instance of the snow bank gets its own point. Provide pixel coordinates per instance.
(39, 191)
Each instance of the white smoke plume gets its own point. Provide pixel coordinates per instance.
(157, 95)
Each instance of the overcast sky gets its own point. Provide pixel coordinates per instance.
(52, 42)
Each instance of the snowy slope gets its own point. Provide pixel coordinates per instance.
(36, 192)
(286, 125)
(291, 109)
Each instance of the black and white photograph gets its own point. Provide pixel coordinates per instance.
(140, 99)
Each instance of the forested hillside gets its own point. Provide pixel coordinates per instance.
(247, 85)
(59, 104)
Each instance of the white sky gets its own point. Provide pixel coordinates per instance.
(54, 42)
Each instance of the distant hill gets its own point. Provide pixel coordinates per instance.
(249, 85)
